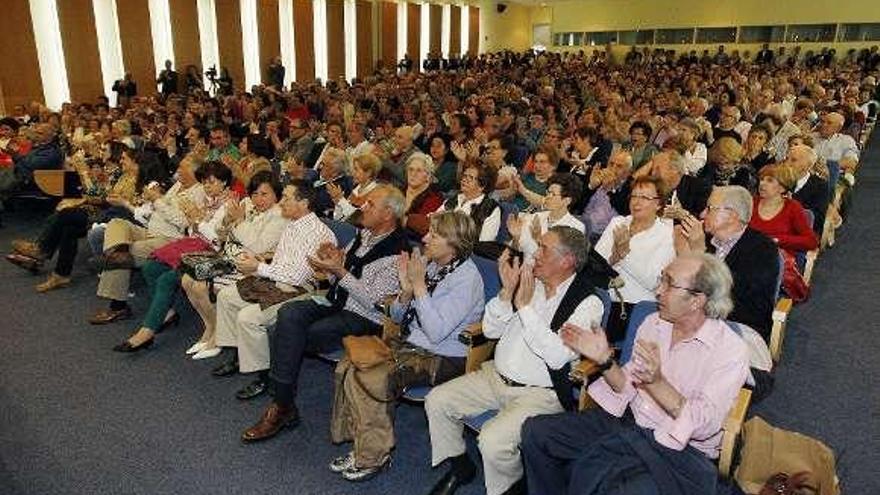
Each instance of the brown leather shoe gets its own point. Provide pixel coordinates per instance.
(118, 260)
(54, 281)
(32, 265)
(274, 419)
(109, 316)
(27, 248)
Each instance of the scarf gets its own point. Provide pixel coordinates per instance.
(431, 282)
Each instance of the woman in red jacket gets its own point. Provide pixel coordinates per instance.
(785, 221)
(422, 198)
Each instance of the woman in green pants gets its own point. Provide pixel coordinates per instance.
(162, 279)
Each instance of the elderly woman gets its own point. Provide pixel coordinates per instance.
(563, 190)
(422, 198)
(441, 294)
(127, 245)
(473, 200)
(638, 246)
(755, 149)
(72, 220)
(638, 145)
(161, 275)
(693, 152)
(253, 225)
(725, 167)
(778, 216)
(365, 168)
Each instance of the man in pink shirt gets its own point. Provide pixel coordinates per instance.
(658, 424)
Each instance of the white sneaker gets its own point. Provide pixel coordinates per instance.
(198, 346)
(207, 353)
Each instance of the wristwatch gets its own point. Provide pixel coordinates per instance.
(607, 364)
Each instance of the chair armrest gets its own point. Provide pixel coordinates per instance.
(731, 430)
(810, 265)
(473, 336)
(777, 333)
(480, 349)
(51, 182)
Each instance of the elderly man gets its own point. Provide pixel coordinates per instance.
(331, 170)
(528, 376)
(811, 190)
(365, 273)
(662, 411)
(394, 168)
(242, 324)
(731, 125)
(685, 191)
(751, 256)
(834, 146)
(45, 154)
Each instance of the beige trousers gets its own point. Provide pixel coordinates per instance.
(473, 394)
(243, 325)
(114, 284)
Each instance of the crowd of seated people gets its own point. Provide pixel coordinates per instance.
(698, 184)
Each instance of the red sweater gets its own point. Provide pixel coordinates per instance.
(789, 227)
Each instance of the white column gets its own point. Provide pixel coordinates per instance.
(465, 29)
(319, 28)
(445, 29)
(425, 35)
(250, 44)
(351, 48)
(160, 30)
(109, 45)
(208, 38)
(288, 47)
(401, 29)
(50, 53)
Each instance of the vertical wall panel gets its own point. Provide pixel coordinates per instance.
(137, 44)
(80, 40)
(413, 33)
(229, 38)
(270, 36)
(474, 38)
(436, 28)
(335, 40)
(185, 28)
(20, 75)
(364, 38)
(455, 30)
(303, 36)
(388, 52)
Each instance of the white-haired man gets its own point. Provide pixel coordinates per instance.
(658, 424)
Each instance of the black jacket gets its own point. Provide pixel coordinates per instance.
(754, 263)
(815, 196)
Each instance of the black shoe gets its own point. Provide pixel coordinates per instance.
(170, 322)
(126, 346)
(226, 369)
(451, 482)
(254, 389)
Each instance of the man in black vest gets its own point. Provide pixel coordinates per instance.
(365, 273)
(529, 373)
(752, 257)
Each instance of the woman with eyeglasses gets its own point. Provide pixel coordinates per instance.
(473, 200)
(638, 246)
(563, 190)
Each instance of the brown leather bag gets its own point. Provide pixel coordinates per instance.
(366, 351)
(265, 292)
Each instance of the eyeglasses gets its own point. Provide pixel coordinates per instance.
(643, 197)
(664, 281)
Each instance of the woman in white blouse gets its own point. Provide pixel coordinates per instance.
(473, 200)
(638, 246)
(563, 190)
(365, 167)
(254, 225)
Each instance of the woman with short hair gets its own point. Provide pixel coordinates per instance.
(422, 197)
(473, 200)
(441, 295)
(725, 167)
(365, 168)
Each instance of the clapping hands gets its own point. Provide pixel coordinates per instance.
(329, 260)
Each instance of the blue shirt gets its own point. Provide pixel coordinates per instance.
(457, 302)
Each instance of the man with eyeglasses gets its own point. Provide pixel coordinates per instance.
(528, 375)
(750, 255)
(658, 424)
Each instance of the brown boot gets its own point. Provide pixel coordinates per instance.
(28, 248)
(274, 419)
(54, 281)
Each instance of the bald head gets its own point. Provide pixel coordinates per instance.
(801, 158)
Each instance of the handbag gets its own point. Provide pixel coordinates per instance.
(366, 351)
(171, 253)
(792, 281)
(265, 292)
(205, 265)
